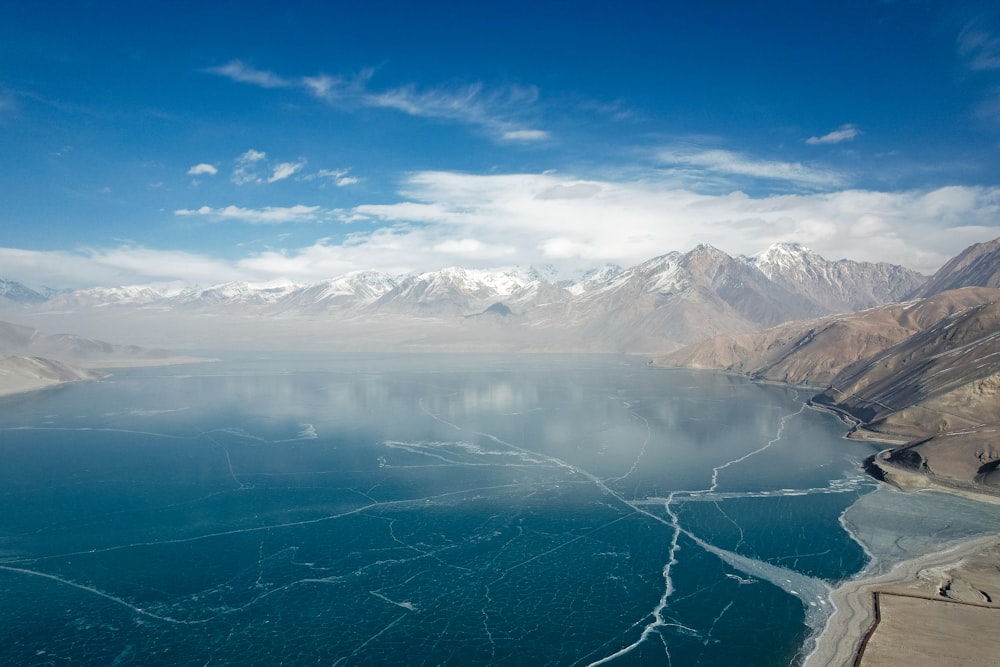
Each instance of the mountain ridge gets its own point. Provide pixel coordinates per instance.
(656, 306)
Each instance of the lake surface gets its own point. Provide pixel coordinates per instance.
(542, 510)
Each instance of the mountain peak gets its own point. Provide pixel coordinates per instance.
(18, 293)
(976, 266)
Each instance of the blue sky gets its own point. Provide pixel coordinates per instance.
(206, 142)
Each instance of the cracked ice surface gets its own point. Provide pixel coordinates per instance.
(421, 510)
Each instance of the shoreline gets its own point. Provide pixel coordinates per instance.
(910, 481)
(16, 385)
(854, 616)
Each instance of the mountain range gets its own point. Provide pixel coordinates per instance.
(656, 306)
(924, 373)
(908, 360)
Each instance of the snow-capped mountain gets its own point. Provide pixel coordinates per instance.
(238, 292)
(97, 297)
(351, 290)
(655, 306)
(18, 293)
(836, 286)
(678, 298)
(593, 279)
(455, 291)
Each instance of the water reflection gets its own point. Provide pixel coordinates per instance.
(476, 509)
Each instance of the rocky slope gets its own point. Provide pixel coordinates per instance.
(836, 286)
(925, 372)
(31, 359)
(978, 265)
(813, 352)
(16, 340)
(19, 374)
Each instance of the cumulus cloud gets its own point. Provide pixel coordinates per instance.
(842, 133)
(269, 215)
(203, 169)
(487, 221)
(590, 222)
(732, 163)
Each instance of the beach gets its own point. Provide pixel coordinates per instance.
(965, 573)
(20, 375)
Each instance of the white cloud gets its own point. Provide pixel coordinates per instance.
(269, 215)
(495, 109)
(472, 103)
(525, 135)
(484, 221)
(203, 169)
(285, 170)
(252, 156)
(626, 223)
(123, 265)
(246, 167)
(731, 163)
(338, 177)
(842, 133)
(459, 246)
(239, 71)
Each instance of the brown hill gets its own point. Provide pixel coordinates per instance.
(813, 352)
(976, 266)
(927, 371)
(19, 374)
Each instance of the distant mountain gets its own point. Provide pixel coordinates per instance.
(31, 359)
(976, 266)
(838, 287)
(678, 298)
(17, 340)
(454, 292)
(98, 297)
(656, 306)
(19, 374)
(344, 293)
(18, 293)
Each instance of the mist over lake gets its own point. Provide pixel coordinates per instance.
(454, 509)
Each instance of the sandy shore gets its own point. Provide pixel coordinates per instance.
(18, 379)
(854, 601)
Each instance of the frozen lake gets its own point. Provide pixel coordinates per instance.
(421, 510)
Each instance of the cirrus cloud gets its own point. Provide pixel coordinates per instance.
(842, 133)
(269, 215)
(498, 110)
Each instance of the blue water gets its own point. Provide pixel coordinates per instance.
(420, 510)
